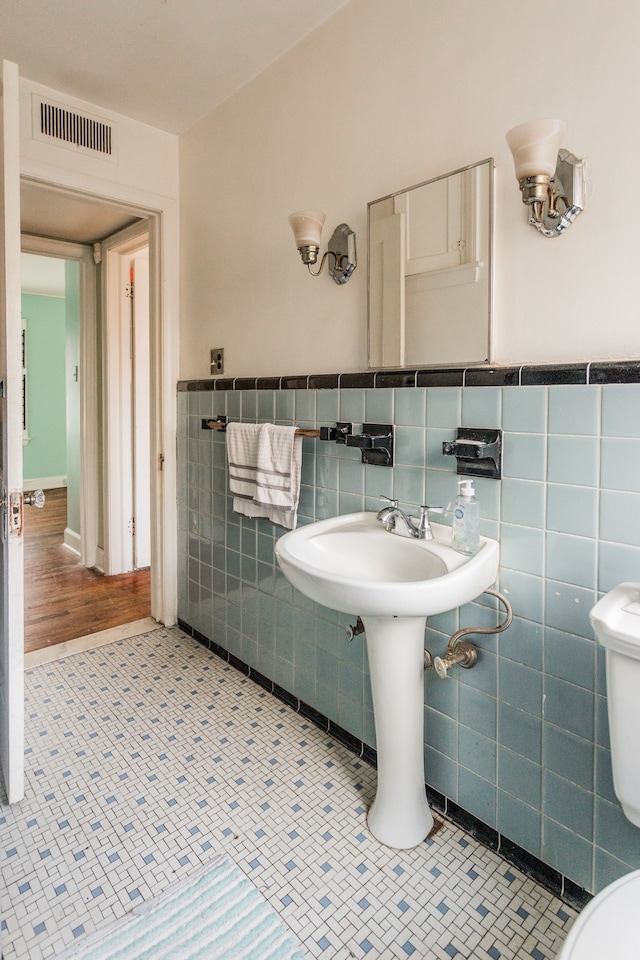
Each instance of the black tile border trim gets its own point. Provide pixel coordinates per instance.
(624, 371)
(440, 378)
(549, 374)
(554, 374)
(493, 377)
(268, 383)
(324, 381)
(557, 884)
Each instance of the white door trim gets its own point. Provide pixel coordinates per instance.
(89, 421)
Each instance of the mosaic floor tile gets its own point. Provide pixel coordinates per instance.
(147, 757)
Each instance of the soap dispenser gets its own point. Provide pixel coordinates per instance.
(465, 534)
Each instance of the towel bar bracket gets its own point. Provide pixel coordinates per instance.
(339, 433)
(214, 423)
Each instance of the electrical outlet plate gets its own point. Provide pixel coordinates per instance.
(217, 361)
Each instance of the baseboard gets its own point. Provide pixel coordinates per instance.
(44, 483)
(99, 564)
(72, 541)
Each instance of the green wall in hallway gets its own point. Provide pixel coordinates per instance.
(46, 454)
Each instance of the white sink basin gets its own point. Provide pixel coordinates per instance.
(352, 564)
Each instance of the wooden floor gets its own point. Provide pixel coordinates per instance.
(62, 599)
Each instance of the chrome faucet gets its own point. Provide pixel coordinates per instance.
(418, 528)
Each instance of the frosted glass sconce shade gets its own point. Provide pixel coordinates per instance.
(551, 180)
(307, 228)
(535, 146)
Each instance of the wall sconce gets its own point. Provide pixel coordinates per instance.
(307, 230)
(551, 180)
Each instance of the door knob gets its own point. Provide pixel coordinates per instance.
(34, 499)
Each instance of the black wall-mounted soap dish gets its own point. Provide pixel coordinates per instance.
(478, 452)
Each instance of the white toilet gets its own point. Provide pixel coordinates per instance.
(610, 925)
(608, 928)
(616, 624)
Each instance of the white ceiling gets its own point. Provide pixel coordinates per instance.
(164, 62)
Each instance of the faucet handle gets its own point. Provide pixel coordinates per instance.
(424, 527)
(394, 503)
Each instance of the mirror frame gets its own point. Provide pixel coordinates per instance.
(490, 254)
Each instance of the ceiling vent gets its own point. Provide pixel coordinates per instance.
(56, 123)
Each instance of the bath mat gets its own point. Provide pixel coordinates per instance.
(215, 914)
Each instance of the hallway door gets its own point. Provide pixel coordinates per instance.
(11, 538)
(141, 409)
(127, 451)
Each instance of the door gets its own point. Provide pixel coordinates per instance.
(11, 539)
(141, 409)
(127, 410)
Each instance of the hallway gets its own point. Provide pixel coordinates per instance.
(62, 599)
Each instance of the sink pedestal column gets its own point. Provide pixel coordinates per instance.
(399, 816)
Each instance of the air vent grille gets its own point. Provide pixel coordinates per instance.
(71, 128)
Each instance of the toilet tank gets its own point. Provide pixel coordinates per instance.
(616, 624)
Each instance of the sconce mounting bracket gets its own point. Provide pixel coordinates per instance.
(566, 190)
(343, 247)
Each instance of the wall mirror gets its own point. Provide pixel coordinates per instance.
(430, 270)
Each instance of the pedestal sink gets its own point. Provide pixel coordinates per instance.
(352, 564)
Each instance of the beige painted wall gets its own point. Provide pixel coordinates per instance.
(383, 96)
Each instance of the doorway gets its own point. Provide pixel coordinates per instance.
(73, 585)
(73, 218)
(63, 600)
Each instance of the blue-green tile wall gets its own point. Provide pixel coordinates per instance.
(521, 741)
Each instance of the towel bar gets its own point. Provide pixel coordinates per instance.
(375, 441)
(221, 424)
(339, 433)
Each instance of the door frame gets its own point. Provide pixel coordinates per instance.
(162, 224)
(89, 414)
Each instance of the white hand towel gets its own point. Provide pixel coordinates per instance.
(278, 474)
(265, 462)
(242, 456)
